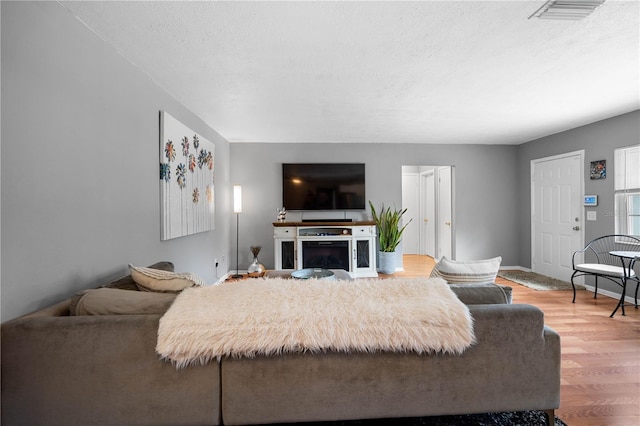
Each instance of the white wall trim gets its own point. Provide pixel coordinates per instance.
(222, 279)
(514, 268)
(609, 293)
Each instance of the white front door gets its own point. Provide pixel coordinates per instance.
(556, 213)
(445, 216)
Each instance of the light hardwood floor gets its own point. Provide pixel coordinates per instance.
(600, 355)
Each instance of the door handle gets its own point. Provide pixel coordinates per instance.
(576, 228)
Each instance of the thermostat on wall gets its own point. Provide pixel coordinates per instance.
(590, 200)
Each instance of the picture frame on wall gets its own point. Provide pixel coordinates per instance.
(599, 169)
(187, 178)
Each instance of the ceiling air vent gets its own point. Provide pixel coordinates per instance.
(567, 9)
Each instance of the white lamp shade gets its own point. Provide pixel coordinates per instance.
(237, 199)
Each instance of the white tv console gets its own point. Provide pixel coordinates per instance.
(330, 245)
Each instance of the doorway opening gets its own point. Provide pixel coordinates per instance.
(428, 196)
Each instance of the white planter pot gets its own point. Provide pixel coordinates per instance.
(386, 262)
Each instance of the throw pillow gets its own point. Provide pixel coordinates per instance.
(114, 301)
(127, 283)
(467, 272)
(149, 279)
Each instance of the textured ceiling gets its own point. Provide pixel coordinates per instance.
(415, 72)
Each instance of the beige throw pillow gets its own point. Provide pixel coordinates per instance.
(114, 301)
(467, 272)
(148, 279)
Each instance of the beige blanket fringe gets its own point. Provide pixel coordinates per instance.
(275, 316)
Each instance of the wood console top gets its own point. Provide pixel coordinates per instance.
(320, 223)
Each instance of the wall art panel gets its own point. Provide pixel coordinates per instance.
(187, 178)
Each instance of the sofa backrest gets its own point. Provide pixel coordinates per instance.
(482, 294)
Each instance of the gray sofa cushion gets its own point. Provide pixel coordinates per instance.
(514, 366)
(482, 294)
(114, 301)
(99, 370)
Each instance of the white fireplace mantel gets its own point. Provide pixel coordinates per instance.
(351, 244)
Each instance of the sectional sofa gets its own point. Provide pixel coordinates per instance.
(77, 364)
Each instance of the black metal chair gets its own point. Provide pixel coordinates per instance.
(600, 263)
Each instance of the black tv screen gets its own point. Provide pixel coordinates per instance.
(317, 186)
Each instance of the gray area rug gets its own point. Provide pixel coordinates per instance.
(537, 281)
(519, 418)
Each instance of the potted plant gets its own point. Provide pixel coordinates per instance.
(390, 232)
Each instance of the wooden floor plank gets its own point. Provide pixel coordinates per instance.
(600, 355)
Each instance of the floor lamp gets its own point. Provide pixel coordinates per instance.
(237, 209)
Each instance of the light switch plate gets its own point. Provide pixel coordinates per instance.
(592, 215)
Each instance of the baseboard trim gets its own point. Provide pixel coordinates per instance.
(222, 279)
(514, 268)
(609, 293)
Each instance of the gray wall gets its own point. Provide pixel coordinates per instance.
(79, 168)
(598, 140)
(80, 143)
(485, 189)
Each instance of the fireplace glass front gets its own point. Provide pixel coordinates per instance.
(325, 254)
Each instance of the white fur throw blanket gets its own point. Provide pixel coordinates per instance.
(275, 316)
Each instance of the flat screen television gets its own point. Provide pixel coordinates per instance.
(323, 186)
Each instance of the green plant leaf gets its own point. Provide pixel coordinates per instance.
(388, 222)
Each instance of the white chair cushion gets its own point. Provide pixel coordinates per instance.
(599, 268)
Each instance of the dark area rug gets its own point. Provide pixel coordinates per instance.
(519, 418)
(537, 281)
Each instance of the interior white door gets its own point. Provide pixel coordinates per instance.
(428, 231)
(411, 202)
(445, 216)
(556, 213)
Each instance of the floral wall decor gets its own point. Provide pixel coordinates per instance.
(187, 178)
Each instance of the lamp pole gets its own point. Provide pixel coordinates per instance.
(237, 209)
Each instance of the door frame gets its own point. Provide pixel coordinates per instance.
(452, 216)
(427, 243)
(420, 171)
(415, 213)
(580, 155)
